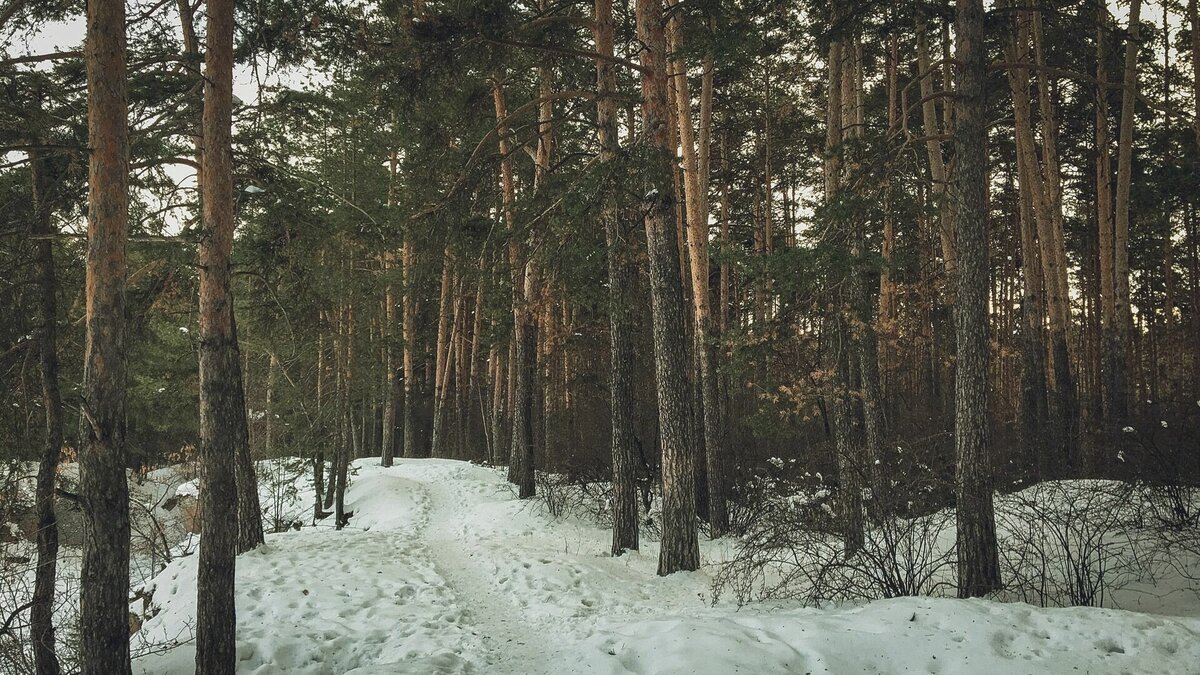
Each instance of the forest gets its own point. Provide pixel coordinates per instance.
(707, 336)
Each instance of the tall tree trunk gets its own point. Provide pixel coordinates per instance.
(1193, 10)
(696, 178)
(521, 468)
(392, 385)
(1039, 178)
(1067, 406)
(103, 489)
(1123, 318)
(621, 275)
(1113, 361)
(442, 354)
(408, 311)
(847, 450)
(249, 520)
(680, 546)
(933, 146)
(318, 461)
(222, 413)
(41, 620)
(1033, 353)
(978, 558)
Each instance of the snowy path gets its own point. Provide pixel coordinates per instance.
(443, 571)
(513, 643)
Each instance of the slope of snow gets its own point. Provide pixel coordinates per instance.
(443, 571)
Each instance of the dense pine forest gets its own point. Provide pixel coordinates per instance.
(829, 311)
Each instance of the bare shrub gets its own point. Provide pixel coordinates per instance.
(1074, 542)
(791, 547)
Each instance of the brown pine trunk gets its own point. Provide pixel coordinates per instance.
(41, 617)
(846, 430)
(680, 547)
(1193, 10)
(500, 449)
(696, 178)
(622, 271)
(933, 147)
(1113, 359)
(1067, 406)
(1034, 404)
(1039, 178)
(249, 522)
(1118, 356)
(392, 381)
(318, 461)
(408, 311)
(103, 489)
(442, 354)
(978, 558)
(886, 325)
(222, 411)
(521, 467)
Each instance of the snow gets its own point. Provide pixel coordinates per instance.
(442, 570)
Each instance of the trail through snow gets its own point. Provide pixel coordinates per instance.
(444, 571)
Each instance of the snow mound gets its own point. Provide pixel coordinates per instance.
(442, 570)
(904, 635)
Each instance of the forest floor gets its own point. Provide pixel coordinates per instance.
(443, 571)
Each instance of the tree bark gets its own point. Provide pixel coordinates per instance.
(696, 177)
(222, 414)
(1123, 319)
(933, 147)
(1039, 179)
(978, 558)
(621, 277)
(680, 546)
(249, 521)
(103, 488)
(408, 313)
(41, 620)
(521, 467)
(442, 355)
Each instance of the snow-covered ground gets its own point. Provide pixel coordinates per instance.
(443, 571)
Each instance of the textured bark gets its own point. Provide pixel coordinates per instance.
(476, 384)
(1118, 357)
(442, 355)
(696, 178)
(886, 324)
(1066, 396)
(221, 409)
(680, 547)
(393, 392)
(1113, 360)
(500, 403)
(846, 432)
(249, 521)
(621, 277)
(521, 468)
(933, 146)
(408, 313)
(41, 616)
(103, 489)
(862, 341)
(1034, 404)
(1193, 10)
(978, 558)
(1039, 178)
(318, 461)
